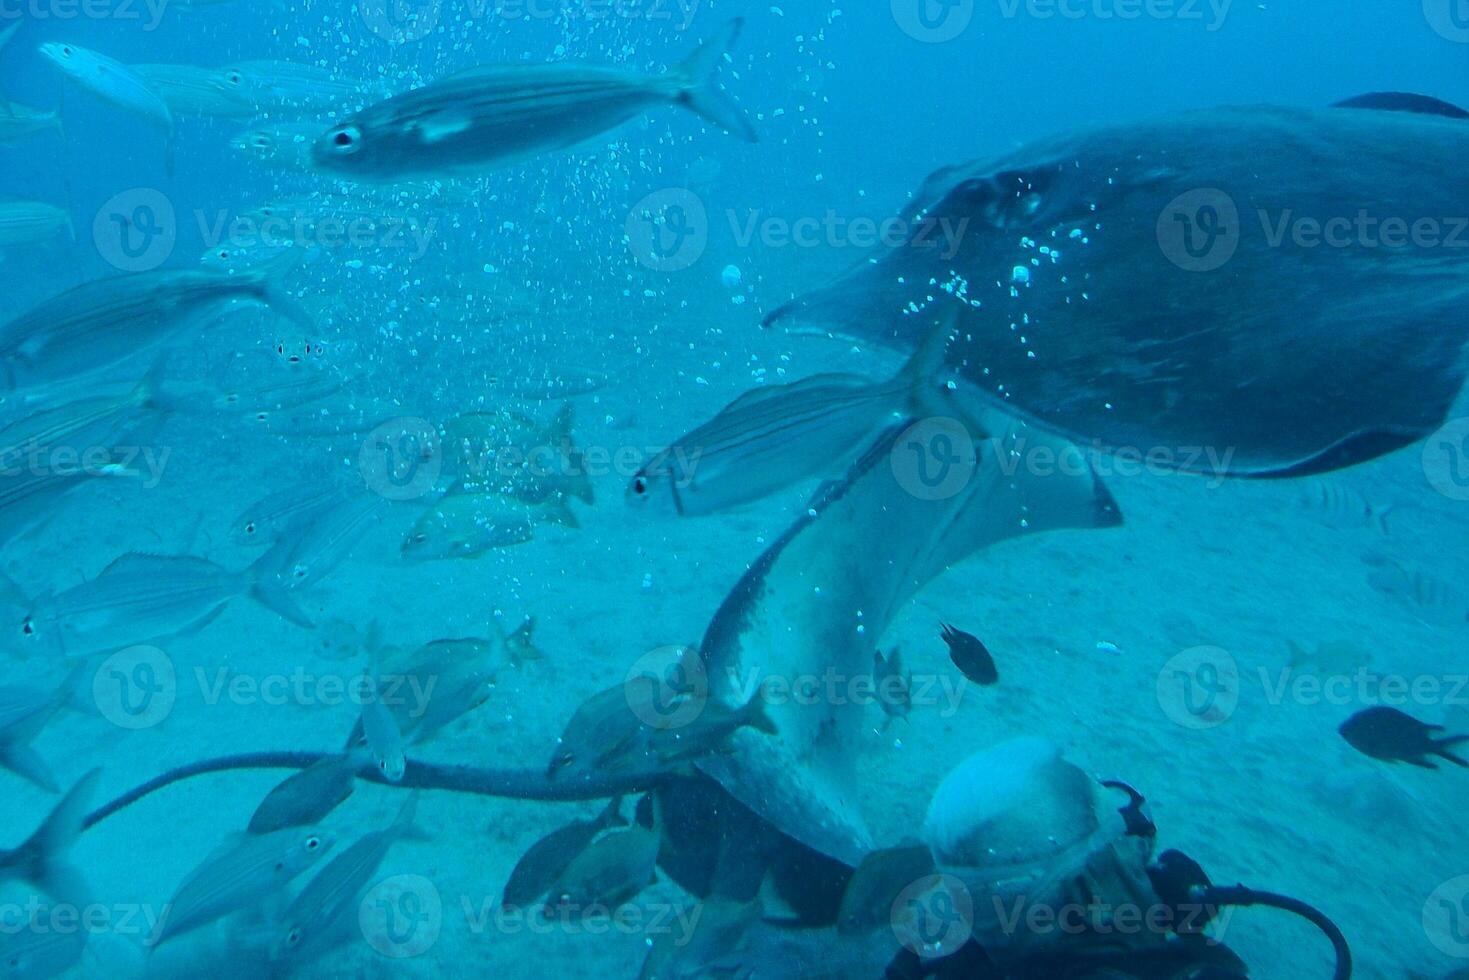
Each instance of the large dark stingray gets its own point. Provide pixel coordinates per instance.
(1194, 302)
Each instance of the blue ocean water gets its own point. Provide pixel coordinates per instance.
(431, 421)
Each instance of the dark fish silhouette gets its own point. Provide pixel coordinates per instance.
(1146, 260)
(970, 656)
(547, 858)
(1392, 736)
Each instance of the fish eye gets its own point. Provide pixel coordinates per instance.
(346, 138)
(66, 50)
(313, 843)
(28, 628)
(250, 528)
(293, 937)
(640, 485)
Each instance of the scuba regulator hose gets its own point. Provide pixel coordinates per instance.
(1242, 897)
(1181, 882)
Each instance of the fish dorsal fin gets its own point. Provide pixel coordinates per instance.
(560, 427)
(132, 558)
(758, 396)
(1404, 102)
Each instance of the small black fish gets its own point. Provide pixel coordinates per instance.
(970, 656)
(1392, 736)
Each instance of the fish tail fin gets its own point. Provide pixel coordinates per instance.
(9, 33)
(559, 428)
(403, 825)
(43, 859)
(372, 644)
(699, 84)
(581, 483)
(521, 644)
(146, 392)
(558, 511)
(1380, 519)
(756, 714)
(267, 589)
(611, 815)
(23, 760)
(1441, 749)
(152, 392)
(268, 276)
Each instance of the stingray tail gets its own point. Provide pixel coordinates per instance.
(699, 87)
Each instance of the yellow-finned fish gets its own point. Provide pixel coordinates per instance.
(466, 525)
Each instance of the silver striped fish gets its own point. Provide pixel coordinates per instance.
(498, 115)
(770, 438)
(81, 424)
(140, 598)
(29, 496)
(93, 327)
(32, 222)
(237, 876)
(1427, 597)
(320, 539)
(268, 519)
(18, 122)
(313, 920)
(112, 81)
(189, 90)
(1343, 507)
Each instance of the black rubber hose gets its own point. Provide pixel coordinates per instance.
(516, 784)
(1245, 897)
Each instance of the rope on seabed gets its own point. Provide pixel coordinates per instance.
(515, 784)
